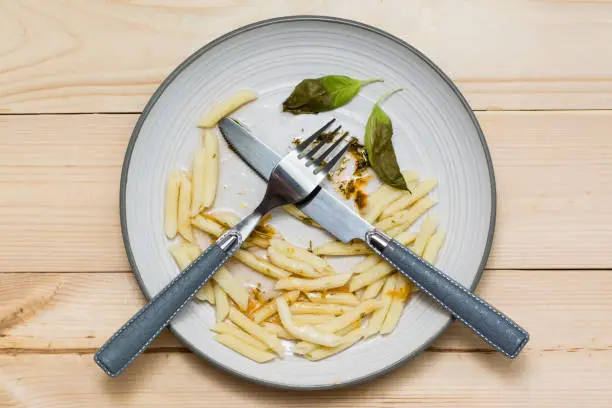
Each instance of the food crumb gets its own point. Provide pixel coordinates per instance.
(243, 205)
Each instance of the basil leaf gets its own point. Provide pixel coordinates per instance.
(381, 154)
(323, 94)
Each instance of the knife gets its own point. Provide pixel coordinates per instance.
(334, 216)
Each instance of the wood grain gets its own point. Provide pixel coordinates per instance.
(95, 56)
(556, 379)
(79, 311)
(59, 178)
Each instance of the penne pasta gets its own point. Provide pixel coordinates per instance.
(199, 179)
(211, 168)
(347, 299)
(405, 237)
(304, 347)
(408, 216)
(256, 331)
(420, 191)
(226, 328)
(433, 246)
(180, 255)
(410, 176)
(295, 212)
(172, 198)
(399, 297)
(232, 287)
(184, 205)
(208, 226)
(310, 319)
(243, 348)
(225, 218)
(295, 266)
(379, 200)
(193, 250)
(378, 317)
(429, 226)
(381, 270)
(269, 309)
(226, 107)
(318, 308)
(373, 289)
(349, 317)
(278, 330)
(347, 341)
(340, 248)
(260, 265)
(221, 303)
(206, 294)
(319, 264)
(306, 333)
(365, 264)
(309, 285)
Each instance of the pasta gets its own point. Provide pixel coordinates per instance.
(378, 317)
(184, 204)
(373, 289)
(256, 331)
(407, 216)
(243, 348)
(223, 109)
(399, 297)
(429, 226)
(341, 322)
(308, 285)
(306, 333)
(232, 287)
(420, 191)
(226, 328)
(269, 309)
(295, 266)
(340, 248)
(260, 265)
(319, 264)
(433, 246)
(221, 303)
(211, 168)
(320, 311)
(347, 299)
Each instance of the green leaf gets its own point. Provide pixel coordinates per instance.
(323, 94)
(378, 144)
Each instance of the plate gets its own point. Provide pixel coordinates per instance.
(435, 133)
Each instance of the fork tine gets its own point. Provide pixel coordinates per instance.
(314, 136)
(332, 162)
(320, 160)
(310, 154)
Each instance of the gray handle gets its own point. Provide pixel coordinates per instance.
(136, 335)
(486, 321)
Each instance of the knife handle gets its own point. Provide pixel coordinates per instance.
(136, 335)
(489, 323)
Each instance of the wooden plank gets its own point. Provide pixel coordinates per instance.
(59, 181)
(548, 379)
(563, 310)
(524, 55)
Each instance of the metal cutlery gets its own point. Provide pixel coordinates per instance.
(292, 179)
(490, 324)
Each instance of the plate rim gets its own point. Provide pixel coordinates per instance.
(217, 41)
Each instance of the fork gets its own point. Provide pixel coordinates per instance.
(294, 179)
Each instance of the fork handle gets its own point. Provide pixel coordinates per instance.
(136, 335)
(489, 323)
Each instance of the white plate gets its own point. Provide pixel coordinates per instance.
(435, 134)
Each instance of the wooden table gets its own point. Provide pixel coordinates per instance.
(75, 74)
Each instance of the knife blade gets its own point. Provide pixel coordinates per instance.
(489, 323)
(331, 213)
